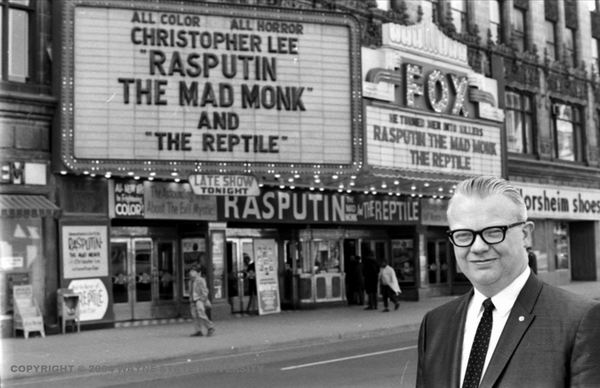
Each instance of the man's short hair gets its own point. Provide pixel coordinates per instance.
(484, 186)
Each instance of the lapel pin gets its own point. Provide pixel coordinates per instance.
(521, 318)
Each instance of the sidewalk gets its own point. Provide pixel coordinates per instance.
(82, 352)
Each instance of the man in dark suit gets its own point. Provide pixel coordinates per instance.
(371, 276)
(527, 333)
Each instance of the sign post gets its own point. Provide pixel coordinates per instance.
(267, 282)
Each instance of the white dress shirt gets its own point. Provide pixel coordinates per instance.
(503, 303)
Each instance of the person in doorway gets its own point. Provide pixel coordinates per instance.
(251, 279)
(358, 284)
(388, 283)
(200, 303)
(370, 274)
(350, 270)
(532, 259)
(511, 330)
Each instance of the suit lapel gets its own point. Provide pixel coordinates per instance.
(457, 331)
(518, 322)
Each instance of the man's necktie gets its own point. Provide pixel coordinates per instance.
(480, 347)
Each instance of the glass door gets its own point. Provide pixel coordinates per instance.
(437, 261)
(143, 270)
(122, 281)
(143, 273)
(239, 254)
(166, 270)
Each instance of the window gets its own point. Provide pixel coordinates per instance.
(570, 46)
(458, 9)
(560, 232)
(551, 39)
(568, 132)
(383, 4)
(519, 123)
(15, 20)
(519, 29)
(435, 12)
(495, 21)
(319, 256)
(22, 243)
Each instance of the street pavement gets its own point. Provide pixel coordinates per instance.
(94, 351)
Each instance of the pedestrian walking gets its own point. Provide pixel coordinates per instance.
(371, 273)
(200, 303)
(250, 274)
(389, 286)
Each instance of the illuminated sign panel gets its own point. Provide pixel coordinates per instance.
(209, 88)
(407, 140)
(318, 207)
(434, 114)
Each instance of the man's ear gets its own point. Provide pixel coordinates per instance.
(528, 229)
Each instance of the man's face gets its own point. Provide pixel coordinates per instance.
(489, 267)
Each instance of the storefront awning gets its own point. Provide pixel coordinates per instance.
(23, 206)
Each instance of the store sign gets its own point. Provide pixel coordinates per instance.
(159, 200)
(93, 298)
(427, 39)
(128, 198)
(23, 173)
(556, 202)
(406, 140)
(182, 84)
(433, 212)
(9, 263)
(84, 251)
(164, 200)
(267, 276)
(205, 184)
(319, 207)
(430, 120)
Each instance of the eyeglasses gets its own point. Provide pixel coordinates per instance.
(490, 235)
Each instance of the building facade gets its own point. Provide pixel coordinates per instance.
(139, 139)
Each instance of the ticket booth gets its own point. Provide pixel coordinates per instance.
(321, 276)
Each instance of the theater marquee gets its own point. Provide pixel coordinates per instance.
(188, 88)
(428, 114)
